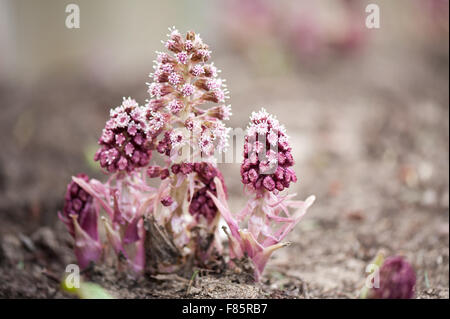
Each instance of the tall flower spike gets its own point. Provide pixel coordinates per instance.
(182, 82)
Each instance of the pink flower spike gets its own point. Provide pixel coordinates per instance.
(261, 160)
(128, 131)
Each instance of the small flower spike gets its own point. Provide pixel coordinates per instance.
(258, 230)
(125, 138)
(267, 155)
(80, 216)
(397, 280)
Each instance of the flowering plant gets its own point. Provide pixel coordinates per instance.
(174, 225)
(265, 172)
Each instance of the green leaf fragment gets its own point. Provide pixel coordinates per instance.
(87, 290)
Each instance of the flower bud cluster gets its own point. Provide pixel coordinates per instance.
(126, 139)
(267, 155)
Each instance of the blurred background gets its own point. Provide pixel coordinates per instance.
(366, 109)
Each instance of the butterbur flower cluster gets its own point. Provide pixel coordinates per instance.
(173, 226)
(267, 154)
(396, 280)
(259, 229)
(183, 81)
(127, 136)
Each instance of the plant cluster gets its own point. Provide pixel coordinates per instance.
(174, 225)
